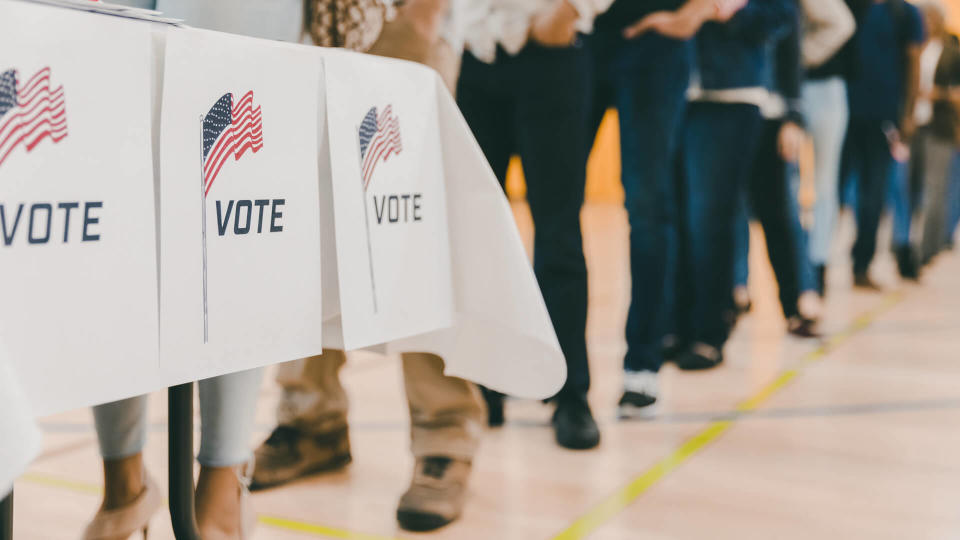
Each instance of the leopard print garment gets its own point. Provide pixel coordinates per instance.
(351, 24)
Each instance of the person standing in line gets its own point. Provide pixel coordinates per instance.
(938, 136)
(882, 95)
(446, 413)
(525, 89)
(822, 29)
(730, 86)
(772, 187)
(827, 28)
(641, 64)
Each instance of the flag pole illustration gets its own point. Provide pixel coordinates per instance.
(203, 228)
(379, 138)
(30, 112)
(227, 129)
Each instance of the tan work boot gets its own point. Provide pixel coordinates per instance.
(291, 453)
(436, 493)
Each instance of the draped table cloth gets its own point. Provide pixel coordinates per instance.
(177, 204)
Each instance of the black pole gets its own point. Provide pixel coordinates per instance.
(6, 517)
(180, 457)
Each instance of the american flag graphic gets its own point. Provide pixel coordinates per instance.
(229, 130)
(379, 139)
(30, 112)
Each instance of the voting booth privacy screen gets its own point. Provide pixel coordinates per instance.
(177, 204)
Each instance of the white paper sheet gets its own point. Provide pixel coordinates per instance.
(79, 282)
(18, 431)
(245, 290)
(393, 252)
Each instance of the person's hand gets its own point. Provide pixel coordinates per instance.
(425, 16)
(790, 142)
(555, 26)
(686, 21)
(907, 127)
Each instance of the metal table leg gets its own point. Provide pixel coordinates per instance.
(6, 517)
(180, 457)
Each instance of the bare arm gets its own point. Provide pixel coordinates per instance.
(828, 25)
(912, 86)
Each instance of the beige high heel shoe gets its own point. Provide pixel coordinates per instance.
(124, 521)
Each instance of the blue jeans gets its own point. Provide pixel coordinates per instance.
(953, 199)
(719, 144)
(646, 80)
(901, 203)
(535, 104)
(227, 407)
(866, 157)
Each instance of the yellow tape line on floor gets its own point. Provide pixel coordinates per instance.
(266, 520)
(607, 509)
(612, 505)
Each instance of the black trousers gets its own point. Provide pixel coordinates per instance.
(775, 207)
(536, 104)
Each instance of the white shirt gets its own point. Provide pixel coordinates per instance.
(488, 23)
(929, 59)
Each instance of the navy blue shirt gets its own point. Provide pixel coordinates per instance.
(877, 90)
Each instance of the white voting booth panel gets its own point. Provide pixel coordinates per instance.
(267, 159)
(502, 336)
(393, 253)
(18, 431)
(78, 252)
(240, 205)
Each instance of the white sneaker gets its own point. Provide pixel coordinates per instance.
(640, 392)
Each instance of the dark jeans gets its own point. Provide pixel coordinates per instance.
(535, 104)
(646, 80)
(719, 145)
(866, 157)
(774, 203)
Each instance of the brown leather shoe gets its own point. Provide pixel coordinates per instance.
(436, 493)
(290, 453)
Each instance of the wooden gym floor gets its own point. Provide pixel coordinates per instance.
(857, 436)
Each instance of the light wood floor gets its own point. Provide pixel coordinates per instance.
(857, 439)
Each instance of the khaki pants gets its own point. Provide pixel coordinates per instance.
(446, 413)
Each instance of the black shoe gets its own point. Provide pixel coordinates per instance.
(801, 326)
(821, 277)
(672, 347)
(700, 356)
(862, 281)
(494, 401)
(907, 263)
(573, 423)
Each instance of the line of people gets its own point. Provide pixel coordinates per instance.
(715, 99)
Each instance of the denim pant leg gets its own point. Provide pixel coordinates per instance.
(900, 204)
(741, 253)
(552, 129)
(719, 146)
(872, 181)
(227, 407)
(649, 78)
(121, 427)
(826, 110)
(953, 199)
